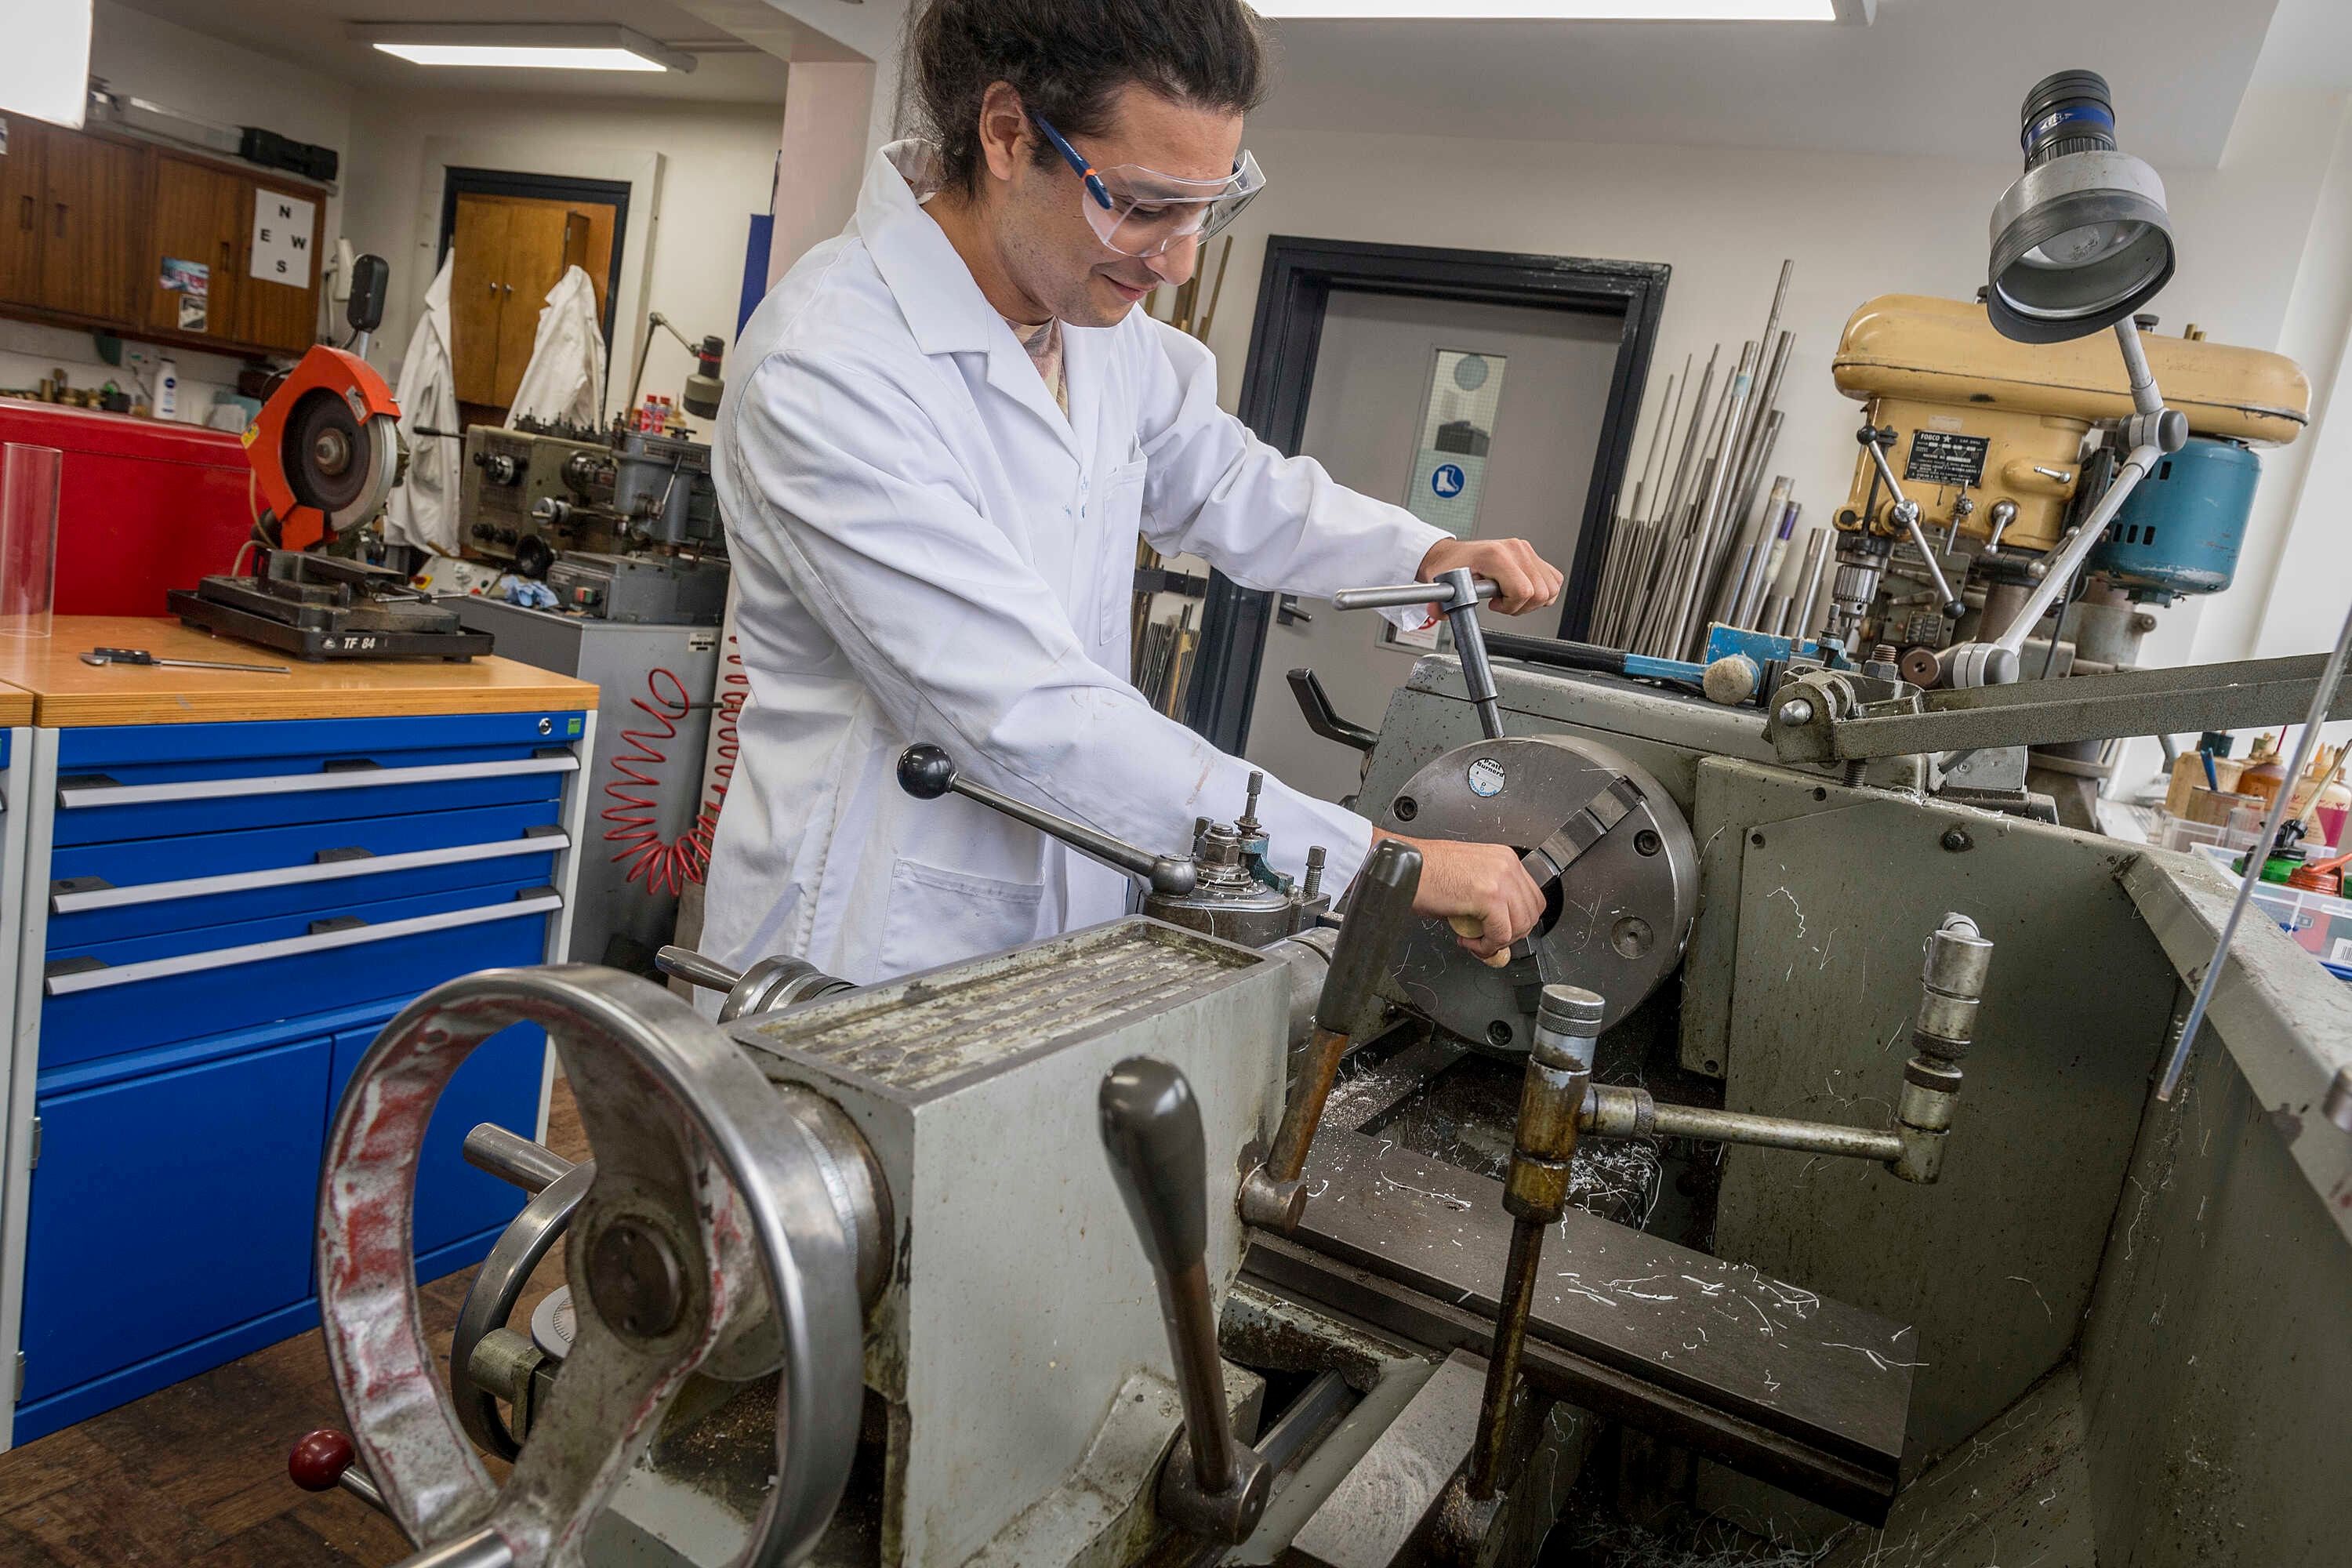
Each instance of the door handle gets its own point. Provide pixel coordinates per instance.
(61, 220)
(25, 214)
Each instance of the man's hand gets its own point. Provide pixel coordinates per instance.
(1481, 886)
(1525, 579)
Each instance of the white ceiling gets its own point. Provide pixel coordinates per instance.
(1933, 78)
(311, 33)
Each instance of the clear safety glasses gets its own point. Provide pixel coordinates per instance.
(1141, 212)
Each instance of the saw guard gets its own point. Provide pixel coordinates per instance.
(323, 368)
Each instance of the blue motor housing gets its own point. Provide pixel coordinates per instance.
(2179, 530)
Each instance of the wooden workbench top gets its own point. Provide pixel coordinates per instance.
(66, 693)
(16, 706)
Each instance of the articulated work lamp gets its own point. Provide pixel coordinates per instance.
(2079, 243)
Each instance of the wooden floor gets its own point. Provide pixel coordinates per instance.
(194, 1475)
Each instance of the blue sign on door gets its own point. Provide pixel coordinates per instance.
(1447, 480)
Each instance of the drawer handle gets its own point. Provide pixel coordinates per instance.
(86, 900)
(74, 982)
(73, 797)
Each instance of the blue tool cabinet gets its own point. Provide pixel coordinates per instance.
(216, 920)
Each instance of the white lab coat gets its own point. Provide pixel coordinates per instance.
(565, 377)
(926, 549)
(423, 508)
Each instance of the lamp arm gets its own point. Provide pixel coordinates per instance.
(645, 347)
(2069, 561)
(2153, 430)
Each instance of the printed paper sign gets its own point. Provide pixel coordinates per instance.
(281, 238)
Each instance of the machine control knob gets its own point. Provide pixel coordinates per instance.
(319, 1459)
(1213, 1486)
(500, 468)
(926, 773)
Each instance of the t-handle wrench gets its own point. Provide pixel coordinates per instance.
(1456, 593)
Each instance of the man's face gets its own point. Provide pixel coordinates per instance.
(1050, 249)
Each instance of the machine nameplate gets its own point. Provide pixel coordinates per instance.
(1942, 458)
(921, 1032)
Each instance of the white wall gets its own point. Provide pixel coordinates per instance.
(138, 56)
(2265, 261)
(717, 165)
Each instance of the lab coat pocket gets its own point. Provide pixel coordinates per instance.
(937, 916)
(1122, 516)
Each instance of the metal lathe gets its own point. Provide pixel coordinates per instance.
(1807, 1169)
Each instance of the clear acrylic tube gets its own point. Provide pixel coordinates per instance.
(29, 477)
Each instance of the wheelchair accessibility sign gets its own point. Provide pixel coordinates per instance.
(1447, 480)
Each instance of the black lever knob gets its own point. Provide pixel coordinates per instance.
(1152, 1130)
(925, 771)
(1378, 913)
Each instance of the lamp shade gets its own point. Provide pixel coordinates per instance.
(2082, 239)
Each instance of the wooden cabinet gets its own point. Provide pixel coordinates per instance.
(91, 231)
(198, 212)
(24, 192)
(277, 303)
(508, 253)
(88, 221)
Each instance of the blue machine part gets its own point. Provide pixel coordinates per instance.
(1723, 641)
(2178, 531)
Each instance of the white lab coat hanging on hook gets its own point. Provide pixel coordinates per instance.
(565, 378)
(927, 549)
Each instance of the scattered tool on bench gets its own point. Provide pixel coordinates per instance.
(140, 655)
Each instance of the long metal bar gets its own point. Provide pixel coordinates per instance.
(2240, 695)
(2330, 683)
(1805, 621)
(1707, 1126)
(1690, 599)
(1689, 453)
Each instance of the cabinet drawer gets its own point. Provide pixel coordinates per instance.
(117, 784)
(130, 995)
(499, 1082)
(170, 1207)
(106, 892)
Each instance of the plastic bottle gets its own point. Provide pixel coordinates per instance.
(2265, 772)
(167, 388)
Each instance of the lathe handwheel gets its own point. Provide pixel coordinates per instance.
(707, 1241)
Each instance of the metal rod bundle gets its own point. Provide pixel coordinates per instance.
(1705, 537)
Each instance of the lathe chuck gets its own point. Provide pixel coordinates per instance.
(1615, 920)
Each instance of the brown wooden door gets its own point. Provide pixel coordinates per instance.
(197, 218)
(23, 196)
(536, 239)
(477, 279)
(278, 299)
(94, 227)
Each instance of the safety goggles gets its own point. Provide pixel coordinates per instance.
(1141, 212)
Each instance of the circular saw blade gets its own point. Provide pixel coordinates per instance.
(336, 462)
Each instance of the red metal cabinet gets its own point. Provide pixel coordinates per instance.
(144, 505)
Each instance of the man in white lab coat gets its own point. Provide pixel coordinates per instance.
(947, 428)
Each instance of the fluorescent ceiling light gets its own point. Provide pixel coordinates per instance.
(521, 45)
(541, 57)
(44, 69)
(1573, 10)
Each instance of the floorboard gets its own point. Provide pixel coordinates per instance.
(194, 1475)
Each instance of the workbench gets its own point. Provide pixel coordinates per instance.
(230, 882)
